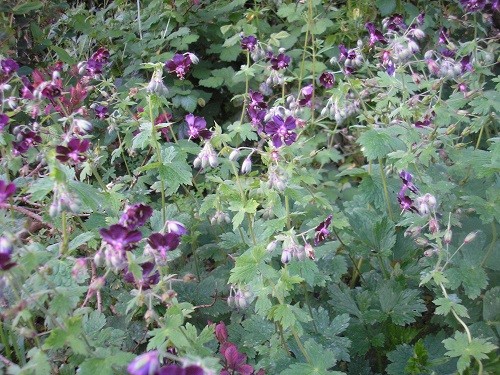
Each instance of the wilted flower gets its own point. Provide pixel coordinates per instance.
(197, 127)
(148, 276)
(74, 151)
(248, 43)
(321, 231)
(327, 80)
(135, 216)
(6, 190)
(281, 131)
(6, 254)
(179, 65)
(145, 364)
(120, 238)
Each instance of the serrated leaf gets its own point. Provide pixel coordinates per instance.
(377, 143)
(402, 305)
(79, 240)
(446, 305)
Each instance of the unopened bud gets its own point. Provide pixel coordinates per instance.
(168, 295)
(247, 165)
(286, 256)
(309, 251)
(234, 155)
(271, 246)
(413, 231)
(99, 259)
(188, 277)
(433, 226)
(470, 237)
(420, 241)
(447, 236)
(149, 316)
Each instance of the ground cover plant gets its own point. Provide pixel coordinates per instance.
(238, 187)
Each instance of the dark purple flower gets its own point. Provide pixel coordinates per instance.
(176, 227)
(346, 54)
(51, 91)
(4, 120)
(9, 66)
(197, 127)
(145, 364)
(27, 89)
(466, 64)
(375, 35)
(101, 111)
(6, 254)
(443, 36)
(148, 276)
(94, 67)
(27, 139)
(179, 65)
(101, 55)
(407, 177)
(6, 190)
(135, 216)
(120, 238)
(327, 80)
(248, 43)
(74, 151)
(281, 130)
(321, 231)
(163, 243)
(280, 62)
(257, 117)
(427, 121)
(394, 23)
(405, 202)
(256, 100)
(471, 6)
(235, 362)
(176, 370)
(307, 94)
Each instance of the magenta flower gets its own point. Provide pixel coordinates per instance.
(280, 62)
(248, 43)
(9, 66)
(179, 65)
(235, 362)
(26, 139)
(176, 370)
(6, 190)
(321, 231)
(197, 127)
(148, 276)
(6, 262)
(135, 216)
(221, 332)
(327, 80)
(74, 151)
(145, 364)
(281, 131)
(120, 238)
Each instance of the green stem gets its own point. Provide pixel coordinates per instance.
(306, 295)
(386, 190)
(64, 243)
(282, 338)
(287, 208)
(247, 83)
(301, 347)
(5, 342)
(492, 244)
(98, 178)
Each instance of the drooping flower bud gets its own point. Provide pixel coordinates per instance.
(470, 237)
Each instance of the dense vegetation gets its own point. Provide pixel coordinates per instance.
(238, 187)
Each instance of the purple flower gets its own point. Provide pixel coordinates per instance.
(94, 67)
(74, 151)
(101, 55)
(248, 43)
(4, 120)
(235, 362)
(390, 69)
(346, 54)
(466, 64)
(394, 23)
(281, 130)
(407, 177)
(9, 66)
(197, 127)
(256, 100)
(179, 65)
(101, 111)
(120, 238)
(163, 243)
(405, 202)
(176, 227)
(27, 139)
(148, 276)
(375, 35)
(443, 36)
(135, 216)
(221, 332)
(257, 117)
(51, 91)
(307, 94)
(145, 364)
(176, 370)
(471, 6)
(321, 231)
(327, 80)
(6, 254)
(280, 62)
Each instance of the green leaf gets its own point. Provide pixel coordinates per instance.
(491, 305)
(27, 7)
(39, 362)
(386, 7)
(142, 139)
(377, 143)
(402, 305)
(247, 266)
(446, 305)
(63, 55)
(321, 360)
(79, 240)
(473, 278)
(460, 347)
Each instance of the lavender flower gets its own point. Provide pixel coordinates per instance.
(145, 364)
(281, 131)
(327, 80)
(6, 190)
(280, 62)
(120, 238)
(176, 227)
(321, 231)
(179, 65)
(148, 276)
(6, 262)
(248, 43)
(135, 216)
(197, 127)
(74, 151)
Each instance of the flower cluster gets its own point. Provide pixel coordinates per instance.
(206, 157)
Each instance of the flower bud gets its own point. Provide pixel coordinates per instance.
(246, 166)
(271, 246)
(433, 226)
(309, 251)
(286, 256)
(234, 155)
(99, 259)
(97, 284)
(221, 332)
(447, 236)
(420, 241)
(470, 237)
